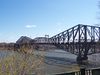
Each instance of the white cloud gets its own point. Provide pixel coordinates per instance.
(30, 26)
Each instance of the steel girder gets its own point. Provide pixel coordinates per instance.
(80, 40)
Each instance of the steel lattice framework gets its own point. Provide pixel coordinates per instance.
(80, 40)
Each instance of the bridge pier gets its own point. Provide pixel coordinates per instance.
(82, 60)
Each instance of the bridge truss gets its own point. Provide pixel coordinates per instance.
(81, 40)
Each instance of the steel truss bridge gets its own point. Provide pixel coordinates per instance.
(81, 40)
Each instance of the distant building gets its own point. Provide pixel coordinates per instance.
(23, 44)
(42, 39)
(23, 39)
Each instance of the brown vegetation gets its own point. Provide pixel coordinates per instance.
(21, 63)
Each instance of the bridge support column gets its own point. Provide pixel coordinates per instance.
(82, 60)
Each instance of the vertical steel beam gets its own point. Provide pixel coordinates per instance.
(73, 40)
(93, 34)
(93, 41)
(63, 36)
(99, 34)
(85, 42)
(79, 39)
(68, 40)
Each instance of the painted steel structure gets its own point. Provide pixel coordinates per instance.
(80, 40)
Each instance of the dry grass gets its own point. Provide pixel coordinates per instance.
(20, 64)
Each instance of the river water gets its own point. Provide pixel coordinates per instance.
(57, 61)
(5, 53)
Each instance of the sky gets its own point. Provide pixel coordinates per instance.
(37, 18)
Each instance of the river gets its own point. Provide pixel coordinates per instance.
(59, 61)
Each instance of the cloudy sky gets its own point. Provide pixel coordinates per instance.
(36, 18)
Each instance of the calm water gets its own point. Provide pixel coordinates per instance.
(53, 57)
(5, 53)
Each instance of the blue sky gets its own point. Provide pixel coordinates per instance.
(36, 18)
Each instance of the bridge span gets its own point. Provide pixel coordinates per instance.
(80, 40)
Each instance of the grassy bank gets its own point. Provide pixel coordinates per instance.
(20, 64)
